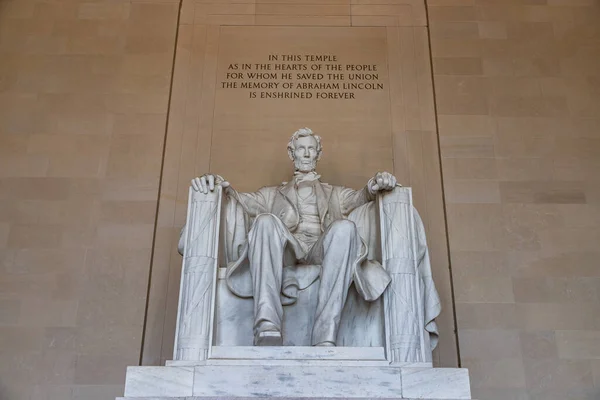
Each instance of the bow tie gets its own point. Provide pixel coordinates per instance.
(301, 177)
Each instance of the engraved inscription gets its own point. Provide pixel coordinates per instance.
(302, 76)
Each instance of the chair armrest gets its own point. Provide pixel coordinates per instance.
(198, 276)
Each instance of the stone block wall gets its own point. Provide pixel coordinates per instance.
(86, 152)
(84, 92)
(518, 102)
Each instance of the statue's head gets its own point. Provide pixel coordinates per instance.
(304, 149)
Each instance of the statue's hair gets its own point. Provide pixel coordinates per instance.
(302, 132)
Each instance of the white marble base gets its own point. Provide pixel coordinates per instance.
(311, 380)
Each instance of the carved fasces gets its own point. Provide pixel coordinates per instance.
(406, 338)
(198, 276)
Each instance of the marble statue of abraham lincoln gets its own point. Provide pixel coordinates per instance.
(300, 233)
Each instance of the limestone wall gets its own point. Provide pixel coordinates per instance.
(517, 95)
(84, 92)
(108, 108)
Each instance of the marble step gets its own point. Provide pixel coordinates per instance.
(271, 398)
(296, 381)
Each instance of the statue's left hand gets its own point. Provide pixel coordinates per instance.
(382, 181)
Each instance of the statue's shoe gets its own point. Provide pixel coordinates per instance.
(268, 338)
(325, 344)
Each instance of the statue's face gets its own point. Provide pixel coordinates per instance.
(305, 154)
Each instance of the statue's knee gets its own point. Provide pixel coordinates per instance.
(264, 229)
(344, 226)
(265, 220)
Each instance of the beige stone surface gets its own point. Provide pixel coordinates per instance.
(83, 103)
(514, 87)
(85, 90)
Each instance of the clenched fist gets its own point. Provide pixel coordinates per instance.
(382, 181)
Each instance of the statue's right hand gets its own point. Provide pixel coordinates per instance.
(208, 182)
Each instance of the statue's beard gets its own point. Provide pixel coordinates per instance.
(304, 165)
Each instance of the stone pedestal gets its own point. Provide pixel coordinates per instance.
(296, 372)
(384, 342)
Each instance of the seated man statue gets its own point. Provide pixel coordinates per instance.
(300, 233)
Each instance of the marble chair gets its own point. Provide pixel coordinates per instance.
(383, 347)
(400, 324)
